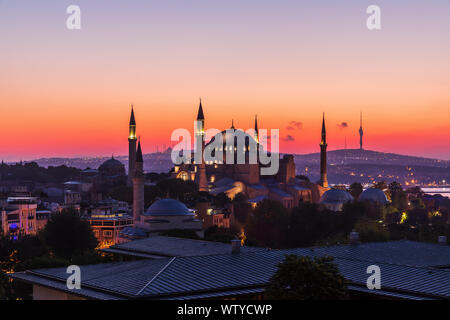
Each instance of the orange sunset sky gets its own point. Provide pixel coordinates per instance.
(68, 92)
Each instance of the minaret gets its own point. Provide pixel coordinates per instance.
(323, 156)
(138, 186)
(360, 133)
(131, 147)
(232, 124)
(200, 140)
(256, 129)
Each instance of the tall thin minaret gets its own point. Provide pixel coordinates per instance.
(360, 133)
(201, 173)
(131, 147)
(323, 156)
(256, 129)
(138, 186)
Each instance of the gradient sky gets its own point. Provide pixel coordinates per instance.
(68, 93)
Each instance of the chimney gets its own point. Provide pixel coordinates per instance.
(442, 240)
(235, 246)
(354, 237)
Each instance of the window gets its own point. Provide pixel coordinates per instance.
(107, 233)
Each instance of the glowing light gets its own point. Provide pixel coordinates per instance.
(404, 217)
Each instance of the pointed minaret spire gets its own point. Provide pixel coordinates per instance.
(324, 132)
(323, 156)
(256, 129)
(232, 124)
(360, 132)
(132, 120)
(131, 147)
(139, 157)
(200, 178)
(200, 115)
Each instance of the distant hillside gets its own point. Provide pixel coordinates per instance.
(153, 162)
(348, 156)
(366, 166)
(344, 166)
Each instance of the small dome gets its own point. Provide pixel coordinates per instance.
(168, 207)
(336, 196)
(373, 195)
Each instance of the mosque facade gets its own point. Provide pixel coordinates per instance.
(232, 178)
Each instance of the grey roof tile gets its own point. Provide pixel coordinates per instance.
(192, 276)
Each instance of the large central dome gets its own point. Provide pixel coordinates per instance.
(168, 207)
(231, 144)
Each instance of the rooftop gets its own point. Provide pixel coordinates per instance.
(167, 207)
(173, 247)
(210, 275)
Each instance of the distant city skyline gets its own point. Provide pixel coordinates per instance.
(68, 93)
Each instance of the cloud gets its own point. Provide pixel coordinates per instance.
(343, 125)
(289, 138)
(268, 137)
(295, 125)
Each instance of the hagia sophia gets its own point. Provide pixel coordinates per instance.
(235, 178)
(218, 177)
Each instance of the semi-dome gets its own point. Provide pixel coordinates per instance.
(168, 207)
(336, 196)
(373, 195)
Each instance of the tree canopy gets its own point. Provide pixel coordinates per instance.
(304, 278)
(67, 235)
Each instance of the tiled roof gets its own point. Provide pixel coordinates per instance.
(172, 247)
(218, 275)
(258, 199)
(280, 192)
(404, 252)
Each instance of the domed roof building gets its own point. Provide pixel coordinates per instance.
(112, 172)
(373, 195)
(111, 163)
(168, 207)
(230, 139)
(245, 168)
(334, 199)
(169, 214)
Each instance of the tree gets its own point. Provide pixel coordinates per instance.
(398, 196)
(310, 225)
(155, 177)
(415, 191)
(216, 234)
(380, 185)
(221, 200)
(371, 231)
(178, 189)
(241, 208)
(304, 278)
(268, 225)
(417, 216)
(355, 189)
(67, 235)
(4, 287)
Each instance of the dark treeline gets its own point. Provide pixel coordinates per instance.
(31, 171)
